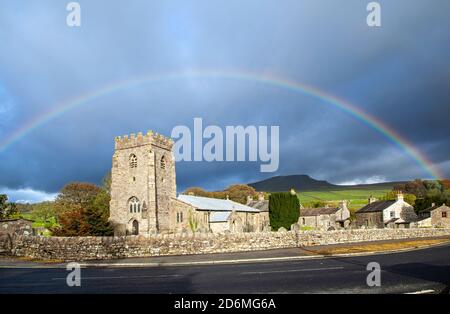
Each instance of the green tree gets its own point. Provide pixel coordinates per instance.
(44, 212)
(284, 210)
(97, 215)
(7, 209)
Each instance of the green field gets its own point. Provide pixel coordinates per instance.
(357, 197)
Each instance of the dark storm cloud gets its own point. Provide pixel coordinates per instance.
(398, 73)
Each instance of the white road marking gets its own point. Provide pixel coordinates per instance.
(422, 292)
(121, 277)
(290, 270)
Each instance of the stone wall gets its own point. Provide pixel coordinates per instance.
(16, 226)
(88, 248)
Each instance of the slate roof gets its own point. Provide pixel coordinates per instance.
(304, 212)
(261, 205)
(215, 204)
(374, 207)
(219, 216)
(429, 209)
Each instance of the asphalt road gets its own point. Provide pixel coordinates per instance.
(427, 269)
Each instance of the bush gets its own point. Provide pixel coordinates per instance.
(284, 210)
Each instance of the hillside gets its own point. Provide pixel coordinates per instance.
(304, 183)
(285, 183)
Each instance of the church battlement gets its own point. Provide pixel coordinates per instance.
(133, 140)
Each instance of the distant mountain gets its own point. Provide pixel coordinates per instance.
(303, 182)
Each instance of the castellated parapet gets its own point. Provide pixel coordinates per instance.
(133, 140)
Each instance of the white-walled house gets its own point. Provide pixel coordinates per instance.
(391, 214)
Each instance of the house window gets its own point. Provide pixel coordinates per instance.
(181, 216)
(444, 214)
(134, 205)
(303, 221)
(163, 162)
(178, 217)
(392, 214)
(133, 161)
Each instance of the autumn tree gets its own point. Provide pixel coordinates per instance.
(83, 210)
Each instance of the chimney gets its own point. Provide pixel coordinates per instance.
(399, 196)
(433, 204)
(293, 191)
(343, 204)
(372, 199)
(261, 196)
(228, 197)
(249, 199)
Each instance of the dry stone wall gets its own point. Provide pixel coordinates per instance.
(90, 248)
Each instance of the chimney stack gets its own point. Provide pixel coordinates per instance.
(249, 199)
(399, 196)
(372, 199)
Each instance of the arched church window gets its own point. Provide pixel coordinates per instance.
(134, 205)
(163, 162)
(133, 161)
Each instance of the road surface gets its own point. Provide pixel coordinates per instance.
(406, 272)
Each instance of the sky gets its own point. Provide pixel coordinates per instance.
(398, 73)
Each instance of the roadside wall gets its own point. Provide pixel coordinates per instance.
(88, 248)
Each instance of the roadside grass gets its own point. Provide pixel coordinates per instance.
(379, 247)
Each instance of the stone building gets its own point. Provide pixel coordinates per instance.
(18, 226)
(391, 214)
(143, 193)
(435, 216)
(218, 215)
(325, 218)
(263, 206)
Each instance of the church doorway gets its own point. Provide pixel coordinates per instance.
(135, 228)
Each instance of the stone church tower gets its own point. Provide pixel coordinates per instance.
(142, 184)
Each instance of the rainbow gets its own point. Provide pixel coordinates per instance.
(271, 80)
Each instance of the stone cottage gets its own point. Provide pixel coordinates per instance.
(391, 214)
(143, 193)
(435, 216)
(325, 218)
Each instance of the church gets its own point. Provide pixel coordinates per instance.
(144, 197)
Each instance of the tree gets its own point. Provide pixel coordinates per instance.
(284, 210)
(43, 211)
(83, 210)
(240, 192)
(79, 193)
(72, 222)
(236, 192)
(7, 209)
(97, 215)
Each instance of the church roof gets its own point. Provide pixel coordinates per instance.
(261, 205)
(219, 216)
(207, 203)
